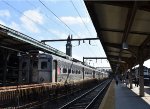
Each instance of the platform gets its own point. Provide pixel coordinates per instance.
(121, 97)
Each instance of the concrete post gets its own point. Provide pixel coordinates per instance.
(141, 75)
(130, 78)
(126, 75)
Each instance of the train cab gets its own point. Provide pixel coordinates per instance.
(44, 73)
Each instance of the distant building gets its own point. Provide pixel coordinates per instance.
(69, 47)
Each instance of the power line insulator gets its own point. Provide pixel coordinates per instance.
(83, 41)
(90, 42)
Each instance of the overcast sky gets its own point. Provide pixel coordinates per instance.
(54, 19)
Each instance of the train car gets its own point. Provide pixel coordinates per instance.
(88, 73)
(146, 75)
(44, 67)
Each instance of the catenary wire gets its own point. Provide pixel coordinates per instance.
(84, 25)
(26, 16)
(29, 2)
(58, 18)
(87, 14)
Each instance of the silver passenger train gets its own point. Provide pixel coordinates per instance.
(50, 68)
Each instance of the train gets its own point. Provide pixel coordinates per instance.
(44, 67)
(146, 75)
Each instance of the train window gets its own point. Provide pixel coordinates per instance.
(79, 71)
(43, 65)
(72, 71)
(64, 70)
(69, 70)
(49, 60)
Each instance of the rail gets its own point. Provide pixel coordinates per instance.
(87, 99)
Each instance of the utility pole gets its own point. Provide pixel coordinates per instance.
(69, 40)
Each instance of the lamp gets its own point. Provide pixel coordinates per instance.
(124, 46)
(18, 54)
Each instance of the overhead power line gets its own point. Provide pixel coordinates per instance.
(81, 18)
(26, 16)
(58, 17)
(87, 14)
(29, 2)
(84, 25)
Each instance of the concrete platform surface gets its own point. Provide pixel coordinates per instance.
(146, 98)
(128, 99)
(122, 97)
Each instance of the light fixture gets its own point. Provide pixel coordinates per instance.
(18, 54)
(124, 46)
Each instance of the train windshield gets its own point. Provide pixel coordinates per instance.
(44, 65)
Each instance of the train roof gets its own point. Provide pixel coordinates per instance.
(79, 63)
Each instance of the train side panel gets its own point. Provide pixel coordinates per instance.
(44, 69)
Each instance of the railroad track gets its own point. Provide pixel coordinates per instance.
(55, 104)
(87, 100)
(44, 103)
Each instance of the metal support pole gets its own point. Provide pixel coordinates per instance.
(141, 75)
(83, 68)
(130, 78)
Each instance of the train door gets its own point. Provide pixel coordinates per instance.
(54, 75)
(44, 69)
(35, 72)
(83, 71)
(24, 69)
(93, 74)
(99, 75)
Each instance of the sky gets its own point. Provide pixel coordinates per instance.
(54, 19)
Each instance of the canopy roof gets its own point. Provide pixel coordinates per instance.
(118, 22)
(16, 41)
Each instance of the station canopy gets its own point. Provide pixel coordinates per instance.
(19, 42)
(123, 28)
